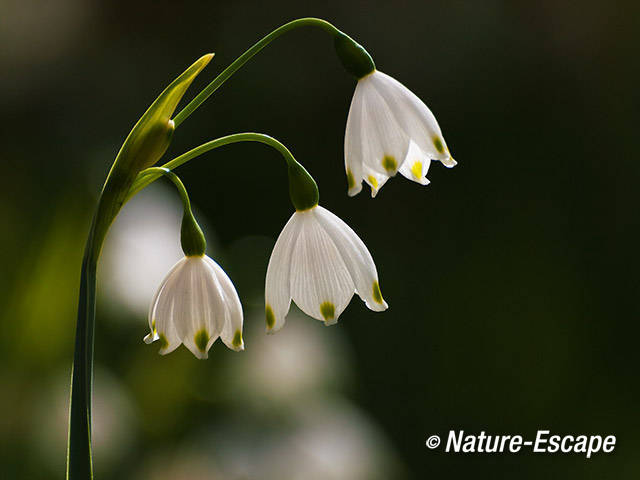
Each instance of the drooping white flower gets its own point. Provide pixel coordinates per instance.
(195, 304)
(319, 262)
(389, 130)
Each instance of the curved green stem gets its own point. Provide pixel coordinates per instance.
(302, 187)
(245, 57)
(191, 236)
(146, 177)
(182, 191)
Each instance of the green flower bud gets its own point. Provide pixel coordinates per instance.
(355, 59)
(303, 189)
(191, 236)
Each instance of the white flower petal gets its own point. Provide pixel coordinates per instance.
(414, 117)
(163, 312)
(213, 302)
(320, 282)
(189, 318)
(193, 306)
(353, 145)
(416, 165)
(168, 336)
(375, 180)
(216, 298)
(231, 332)
(385, 143)
(153, 335)
(277, 291)
(355, 256)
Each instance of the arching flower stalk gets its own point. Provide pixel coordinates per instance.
(318, 261)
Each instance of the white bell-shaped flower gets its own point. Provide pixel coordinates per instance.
(389, 130)
(319, 262)
(195, 304)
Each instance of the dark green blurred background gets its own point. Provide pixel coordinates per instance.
(511, 278)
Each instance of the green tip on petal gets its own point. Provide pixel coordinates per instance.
(237, 339)
(164, 343)
(351, 181)
(271, 318)
(328, 311)
(389, 163)
(377, 294)
(201, 339)
(437, 142)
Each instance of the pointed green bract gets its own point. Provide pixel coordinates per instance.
(146, 143)
(144, 146)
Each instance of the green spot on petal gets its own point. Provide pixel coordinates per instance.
(201, 338)
(351, 182)
(164, 343)
(328, 310)
(271, 318)
(437, 142)
(377, 294)
(153, 326)
(373, 181)
(389, 163)
(237, 339)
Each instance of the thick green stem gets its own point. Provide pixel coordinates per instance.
(245, 57)
(79, 462)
